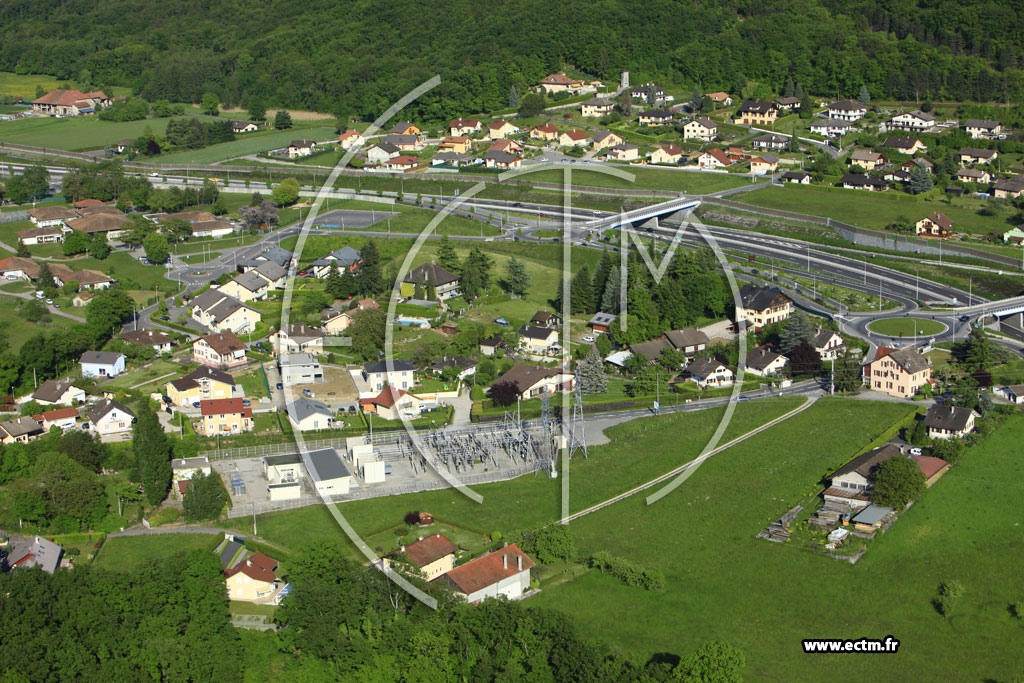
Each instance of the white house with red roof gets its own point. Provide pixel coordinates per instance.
(392, 403)
(70, 103)
(504, 572)
(253, 579)
(714, 158)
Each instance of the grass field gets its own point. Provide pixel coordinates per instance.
(17, 330)
(148, 374)
(874, 210)
(127, 269)
(525, 502)
(24, 85)
(764, 598)
(125, 553)
(250, 143)
(77, 133)
(906, 327)
(650, 179)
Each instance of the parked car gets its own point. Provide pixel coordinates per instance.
(307, 392)
(195, 404)
(49, 302)
(590, 338)
(246, 402)
(280, 385)
(56, 305)
(916, 451)
(40, 295)
(165, 317)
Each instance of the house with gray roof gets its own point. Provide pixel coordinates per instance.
(20, 430)
(949, 422)
(300, 368)
(35, 552)
(307, 414)
(102, 364)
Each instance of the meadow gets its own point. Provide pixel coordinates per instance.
(248, 143)
(125, 553)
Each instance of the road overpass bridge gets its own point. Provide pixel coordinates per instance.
(648, 216)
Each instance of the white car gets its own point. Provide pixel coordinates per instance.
(916, 451)
(589, 338)
(154, 175)
(40, 295)
(49, 302)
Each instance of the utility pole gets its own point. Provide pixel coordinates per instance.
(832, 384)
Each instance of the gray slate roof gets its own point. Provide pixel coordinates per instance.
(688, 336)
(952, 418)
(101, 357)
(327, 465)
(303, 407)
(35, 552)
(96, 413)
(760, 298)
(51, 390)
(382, 366)
(910, 360)
(251, 280)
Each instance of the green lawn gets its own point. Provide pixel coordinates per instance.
(128, 270)
(24, 85)
(249, 143)
(874, 210)
(252, 384)
(17, 330)
(77, 133)
(126, 553)
(668, 441)
(906, 327)
(650, 179)
(148, 374)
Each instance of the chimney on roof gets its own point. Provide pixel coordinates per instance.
(248, 563)
(519, 561)
(504, 560)
(421, 538)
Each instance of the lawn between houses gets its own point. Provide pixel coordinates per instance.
(723, 583)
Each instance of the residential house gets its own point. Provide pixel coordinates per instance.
(488, 347)
(949, 422)
(214, 228)
(860, 181)
(983, 130)
(307, 415)
(602, 322)
(504, 572)
(623, 152)
(157, 340)
(787, 104)
(102, 364)
(846, 110)
(651, 93)
(223, 313)
(605, 139)
(852, 483)
(446, 284)
(761, 306)
(62, 103)
(220, 350)
(17, 268)
(914, 120)
(402, 163)
(297, 338)
(405, 143)
(553, 83)
(708, 372)
(51, 216)
(765, 363)
(714, 158)
(908, 146)
(455, 143)
(452, 160)
(655, 117)
(973, 155)
(1013, 393)
(465, 366)
(667, 154)
(701, 128)
(756, 113)
(689, 340)
(405, 128)
(1004, 188)
(973, 175)
(827, 343)
(239, 127)
(252, 579)
(351, 138)
(897, 373)
(936, 225)
(248, 286)
(299, 368)
(382, 152)
(866, 159)
(546, 319)
(537, 340)
(343, 259)
(505, 145)
(111, 225)
(34, 552)
(766, 163)
(531, 381)
(433, 555)
(34, 236)
(1015, 235)
(721, 99)
(21, 430)
(799, 177)
(275, 254)
(770, 141)
(58, 392)
(574, 138)
(597, 107)
(392, 404)
(399, 375)
(62, 418)
(832, 128)
(109, 417)
(499, 159)
(918, 162)
(500, 128)
(462, 126)
(200, 384)
(224, 416)
(300, 148)
(897, 175)
(329, 474)
(545, 131)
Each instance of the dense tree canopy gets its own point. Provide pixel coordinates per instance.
(336, 58)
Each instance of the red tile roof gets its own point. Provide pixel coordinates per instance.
(388, 397)
(256, 566)
(66, 98)
(929, 466)
(576, 134)
(489, 569)
(59, 414)
(224, 406)
(430, 549)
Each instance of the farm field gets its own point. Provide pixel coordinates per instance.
(244, 144)
(24, 85)
(688, 182)
(78, 133)
(874, 210)
(723, 583)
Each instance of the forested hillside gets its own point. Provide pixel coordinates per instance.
(358, 56)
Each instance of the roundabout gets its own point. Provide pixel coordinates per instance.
(907, 327)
